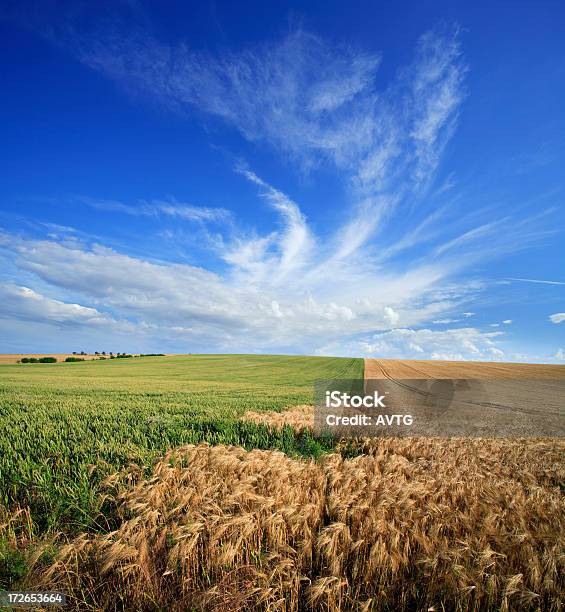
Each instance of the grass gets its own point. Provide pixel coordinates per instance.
(66, 426)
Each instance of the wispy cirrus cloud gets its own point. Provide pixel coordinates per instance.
(299, 94)
(319, 103)
(157, 208)
(314, 102)
(534, 280)
(294, 243)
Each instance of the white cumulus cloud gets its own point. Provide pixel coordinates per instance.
(452, 344)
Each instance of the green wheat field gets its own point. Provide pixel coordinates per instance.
(66, 426)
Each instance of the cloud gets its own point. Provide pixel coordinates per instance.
(315, 101)
(281, 291)
(157, 208)
(297, 94)
(507, 322)
(560, 354)
(239, 307)
(294, 243)
(558, 317)
(25, 304)
(533, 280)
(474, 234)
(466, 343)
(390, 316)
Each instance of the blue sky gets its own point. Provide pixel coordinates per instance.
(321, 178)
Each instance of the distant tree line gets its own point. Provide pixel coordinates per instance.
(101, 355)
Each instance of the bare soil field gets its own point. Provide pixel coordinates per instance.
(412, 369)
(14, 358)
(469, 398)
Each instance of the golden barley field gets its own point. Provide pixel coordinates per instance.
(409, 524)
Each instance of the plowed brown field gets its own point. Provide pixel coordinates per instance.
(412, 369)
